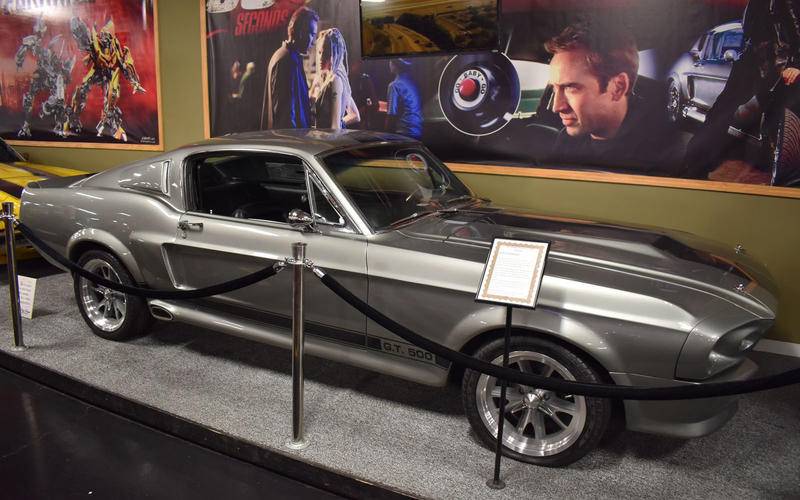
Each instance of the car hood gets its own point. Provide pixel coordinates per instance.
(667, 255)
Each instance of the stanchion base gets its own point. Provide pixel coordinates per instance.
(496, 485)
(19, 348)
(298, 445)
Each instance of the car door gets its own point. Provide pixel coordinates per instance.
(714, 68)
(236, 224)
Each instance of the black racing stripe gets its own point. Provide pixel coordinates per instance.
(315, 329)
(33, 170)
(11, 188)
(325, 332)
(685, 252)
(374, 343)
(322, 331)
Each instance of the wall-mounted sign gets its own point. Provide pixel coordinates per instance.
(80, 73)
(659, 92)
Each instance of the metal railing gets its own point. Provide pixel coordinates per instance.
(11, 268)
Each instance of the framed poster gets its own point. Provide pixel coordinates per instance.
(80, 73)
(699, 94)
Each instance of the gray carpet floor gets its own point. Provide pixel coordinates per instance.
(388, 431)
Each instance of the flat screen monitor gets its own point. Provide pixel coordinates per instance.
(394, 28)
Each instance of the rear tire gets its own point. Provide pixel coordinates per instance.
(111, 315)
(784, 143)
(541, 427)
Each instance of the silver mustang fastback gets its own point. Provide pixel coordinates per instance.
(387, 219)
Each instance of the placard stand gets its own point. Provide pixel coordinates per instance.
(512, 276)
(496, 483)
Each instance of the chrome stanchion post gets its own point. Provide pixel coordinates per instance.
(11, 267)
(298, 441)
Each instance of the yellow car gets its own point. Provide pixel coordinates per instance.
(15, 174)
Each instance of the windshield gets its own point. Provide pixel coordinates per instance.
(393, 184)
(7, 155)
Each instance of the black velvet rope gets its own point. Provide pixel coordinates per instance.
(208, 291)
(695, 391)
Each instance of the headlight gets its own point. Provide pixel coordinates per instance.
(705, 354)
(731, 348)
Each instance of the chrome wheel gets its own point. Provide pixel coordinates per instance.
(538, 423)
(104, 307)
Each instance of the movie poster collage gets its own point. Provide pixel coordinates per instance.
(694, 89)
(79, 72)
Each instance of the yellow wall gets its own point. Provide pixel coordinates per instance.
(769, 228)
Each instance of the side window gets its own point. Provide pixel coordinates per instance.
(713, 46)
(248, 185)
(733, 40)
(324, 212)
(724, 41)
(701, 45)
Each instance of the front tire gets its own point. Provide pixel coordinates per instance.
(111, 315)
(674, 102)
(541, 427)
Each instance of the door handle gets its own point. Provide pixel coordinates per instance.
(185, 225)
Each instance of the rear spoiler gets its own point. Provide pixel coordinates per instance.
(57, 182)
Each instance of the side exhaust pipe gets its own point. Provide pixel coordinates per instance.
(159, 312)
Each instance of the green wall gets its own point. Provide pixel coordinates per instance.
(769, 228)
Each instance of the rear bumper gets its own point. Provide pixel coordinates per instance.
(688, 418)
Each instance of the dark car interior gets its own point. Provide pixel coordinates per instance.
(249, 186)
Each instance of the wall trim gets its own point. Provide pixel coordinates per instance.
(779, 347)
(631, 179)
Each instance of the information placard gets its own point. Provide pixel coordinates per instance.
(513, 272)
(27, 291)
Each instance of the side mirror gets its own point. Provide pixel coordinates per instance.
(730, 55)
(300, 219)
(324, 220)
(695, 54)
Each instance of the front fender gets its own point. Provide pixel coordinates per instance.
(86, 238)
(616, 345)
(543, 321)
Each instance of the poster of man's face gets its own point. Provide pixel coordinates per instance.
(701, 89)
(80, 72)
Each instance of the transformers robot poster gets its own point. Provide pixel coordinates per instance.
(80, 72)
(702, 90)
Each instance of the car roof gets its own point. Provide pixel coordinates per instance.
(733, 25)
(310, 141)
